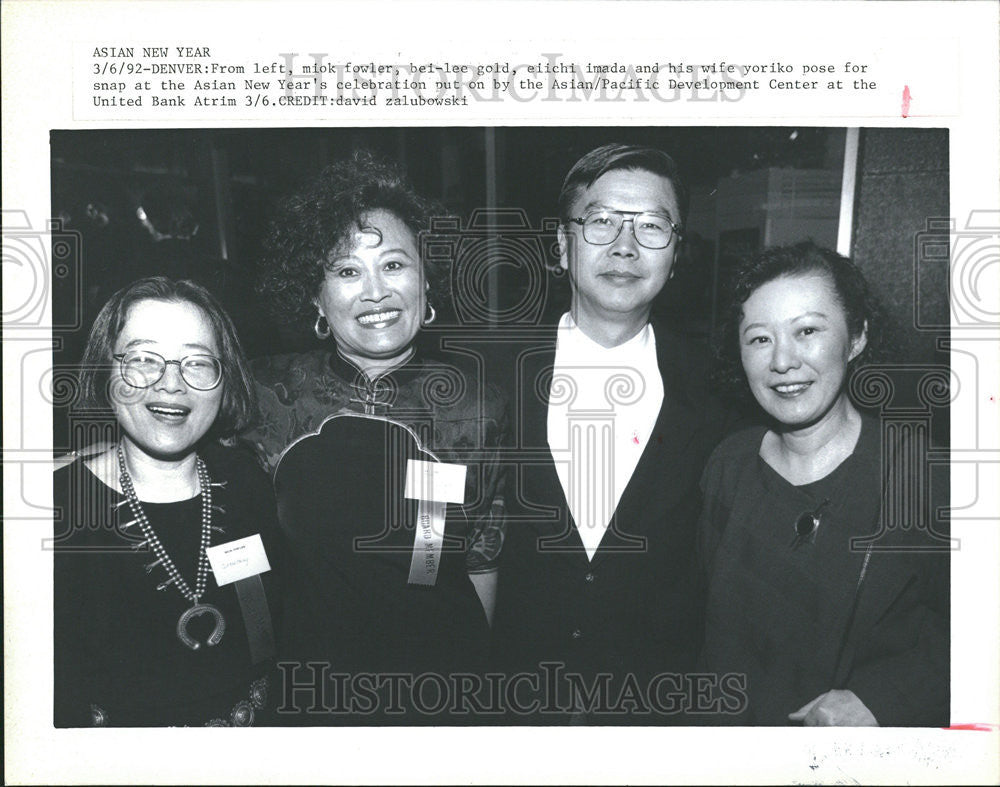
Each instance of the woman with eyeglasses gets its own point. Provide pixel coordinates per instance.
(820, 611)
(164, 541)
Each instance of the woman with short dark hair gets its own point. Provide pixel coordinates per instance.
(147, 632)
(98, 378)
(820, 611)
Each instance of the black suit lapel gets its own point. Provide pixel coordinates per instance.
(551, 519)
(662, 460)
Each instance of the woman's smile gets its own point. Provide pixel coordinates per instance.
(790, 390)
(379, 319)
(168, 412)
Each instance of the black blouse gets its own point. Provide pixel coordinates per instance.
(779, 612)
(118, 660)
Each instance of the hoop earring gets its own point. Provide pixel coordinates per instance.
(322, 327)
(433, 316)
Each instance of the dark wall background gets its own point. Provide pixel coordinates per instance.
(901, 211)
(902, 186)
(230, 179)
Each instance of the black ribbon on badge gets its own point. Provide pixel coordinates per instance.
(256, 617)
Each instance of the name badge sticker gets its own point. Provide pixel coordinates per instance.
(239, 559)
(435, 482)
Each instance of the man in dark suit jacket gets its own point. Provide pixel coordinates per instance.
(599, 608)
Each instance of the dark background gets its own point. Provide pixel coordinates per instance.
(751, 188)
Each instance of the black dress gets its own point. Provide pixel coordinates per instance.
(779, 621)
(337, 445)
(118, 660)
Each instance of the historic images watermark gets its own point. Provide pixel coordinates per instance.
(314, 78)
(316, 689)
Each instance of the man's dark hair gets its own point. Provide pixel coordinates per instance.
(614, 156)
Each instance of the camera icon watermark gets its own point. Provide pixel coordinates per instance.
(967, 260)
(494, 243)
(38, 264)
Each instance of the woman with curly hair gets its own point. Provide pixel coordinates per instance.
(811, 616)
(383, 452)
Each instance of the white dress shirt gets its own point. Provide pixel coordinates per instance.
(603, 406)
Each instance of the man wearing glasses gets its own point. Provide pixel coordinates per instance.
(598, 614)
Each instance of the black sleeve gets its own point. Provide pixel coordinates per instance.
(71, 605)
(908, 685)
(488, 523)
(903, 670)
(69, 676)
(715, 509)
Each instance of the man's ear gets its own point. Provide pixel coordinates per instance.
(859, 343)
(563, 240)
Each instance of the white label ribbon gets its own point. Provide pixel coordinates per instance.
(427, 540)
(434, 484)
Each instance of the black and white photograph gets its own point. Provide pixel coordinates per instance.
(502, 392)
(679, 491)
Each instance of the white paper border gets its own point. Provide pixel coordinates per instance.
(37, 96)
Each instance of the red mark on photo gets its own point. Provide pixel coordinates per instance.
(906, 100)
(635, 437)
(976, 727)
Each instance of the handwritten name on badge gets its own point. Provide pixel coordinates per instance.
(437, 482)
(239, 559)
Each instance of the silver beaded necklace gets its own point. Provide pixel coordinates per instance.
(163, 559)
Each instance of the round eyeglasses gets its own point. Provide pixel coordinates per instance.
(143, 368)
(651, 230)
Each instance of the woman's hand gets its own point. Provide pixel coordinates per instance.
(837, 708)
